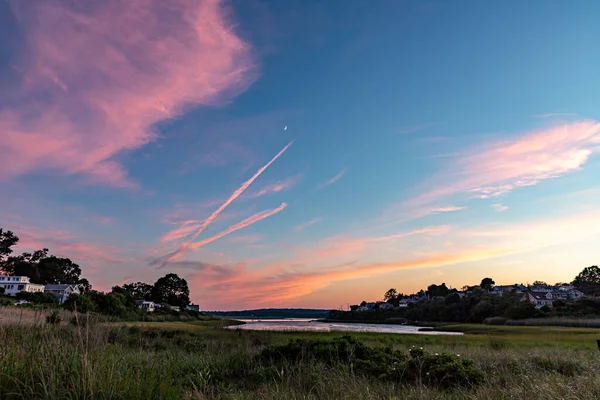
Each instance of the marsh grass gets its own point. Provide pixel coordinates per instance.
(176, 360)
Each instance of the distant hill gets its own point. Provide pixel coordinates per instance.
(273, 313)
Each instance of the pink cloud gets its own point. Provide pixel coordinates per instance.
(97, 77)
(276, 187)
(306, 224)
(64, 244)
(499, 167)
(237, 193)
(332, 180)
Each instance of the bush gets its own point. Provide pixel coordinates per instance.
(442, 370)
(38, 298)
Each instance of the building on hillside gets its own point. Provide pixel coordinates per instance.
(539, 299)
(367, 307)
(145, 305)
(16, 284)
(62, 291)
(501, 289)
(569, 294)
(541, 288)
(385, 306)
(193, 307)
(175, 308)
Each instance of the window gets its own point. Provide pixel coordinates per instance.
(20, 287)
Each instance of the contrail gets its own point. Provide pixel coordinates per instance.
(248, 221)
(215, 214)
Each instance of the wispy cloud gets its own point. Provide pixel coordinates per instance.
(332, 180)
(499, 167)
(237, 193)
(276, 187)
(446, 209)
(556, 115)
(306, 224)
(96, 79)
(499, 207)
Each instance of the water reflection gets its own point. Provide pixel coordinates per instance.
(311, 325)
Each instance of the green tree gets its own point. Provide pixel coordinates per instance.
(139, 290)
(42, 268)
(390, 295)
(171, 289)
(487, 284)
(7, 241)
(82, 303)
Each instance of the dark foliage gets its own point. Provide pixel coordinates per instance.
(171, 289)
(38, 298)
(442, 370)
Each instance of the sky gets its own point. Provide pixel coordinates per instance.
(303, 153)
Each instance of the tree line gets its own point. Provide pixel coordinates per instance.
(477, 304)
(44, 268)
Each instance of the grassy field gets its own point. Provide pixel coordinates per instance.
(199, 360)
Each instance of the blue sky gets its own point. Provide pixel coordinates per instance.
(430, 142)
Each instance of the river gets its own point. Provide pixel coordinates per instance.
(311, 325)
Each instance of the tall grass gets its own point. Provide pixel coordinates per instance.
(90, 359)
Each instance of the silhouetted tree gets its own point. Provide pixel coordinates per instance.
(84, 285)
(7, 241)
(539, 283)
(437, 290)
(41, 268)
(390, 295)
(171, 289)
(588, 281)
(139, 290)
(487, 284)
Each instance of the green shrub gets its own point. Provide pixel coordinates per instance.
(439, 369)
(442, 370)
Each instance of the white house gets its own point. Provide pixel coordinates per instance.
(15, 284)
(385, 306)
(569, 294)
(62, 291)
(539, 299)
(145, 305)
(193, 307)
(500, 289)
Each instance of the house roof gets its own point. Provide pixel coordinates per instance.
(540, 295)
(60, 286)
